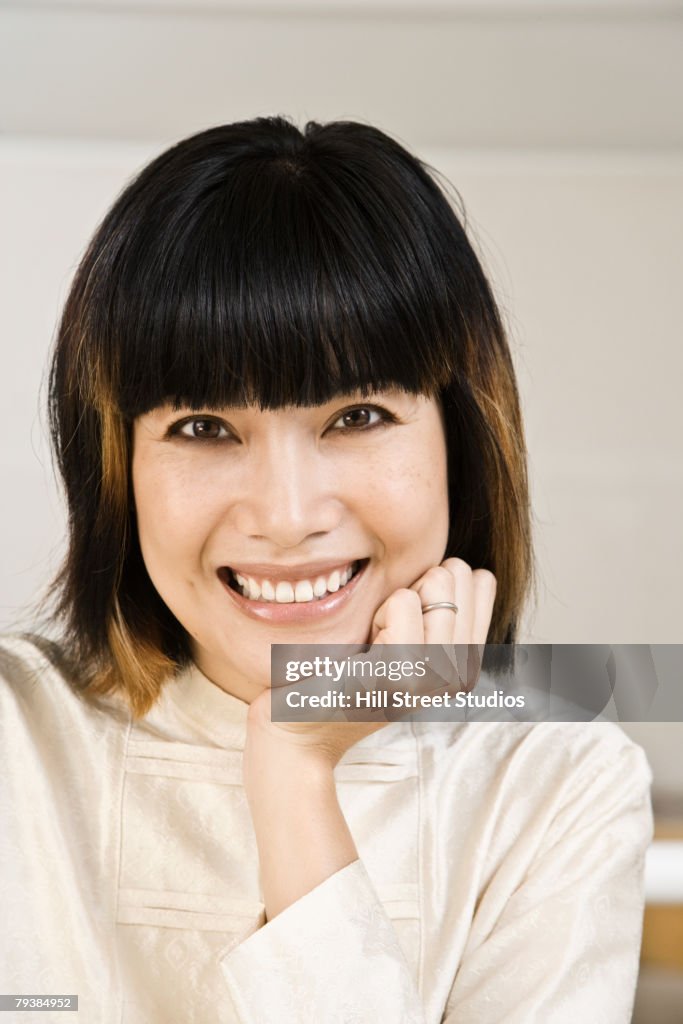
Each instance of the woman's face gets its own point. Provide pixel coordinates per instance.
(250, 522)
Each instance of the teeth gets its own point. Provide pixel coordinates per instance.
(284, 592)
(301, 592)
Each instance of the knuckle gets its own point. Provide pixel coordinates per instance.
(459, 567)
(438, 574)
(396, 598)
(403, 602)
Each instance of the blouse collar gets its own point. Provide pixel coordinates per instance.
(218, 714)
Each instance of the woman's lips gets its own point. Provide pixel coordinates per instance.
(271, 611)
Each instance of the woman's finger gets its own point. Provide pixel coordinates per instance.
(484, 589)
(437, 584)
(464, 598)
(399, 620)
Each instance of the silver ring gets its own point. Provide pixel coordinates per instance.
(440, 604)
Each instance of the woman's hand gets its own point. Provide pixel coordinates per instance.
(399, 620)
(301, 833)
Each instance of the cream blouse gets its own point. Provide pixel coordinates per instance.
(499, 879)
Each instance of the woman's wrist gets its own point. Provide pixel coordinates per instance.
(276, 774)
(277, 758)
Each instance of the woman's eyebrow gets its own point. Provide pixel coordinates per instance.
(171, 408)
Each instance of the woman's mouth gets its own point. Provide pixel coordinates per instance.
(284, 600)
(288, 591)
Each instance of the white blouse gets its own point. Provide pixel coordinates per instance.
(499, 879)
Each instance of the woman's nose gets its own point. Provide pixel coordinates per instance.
(289, 496)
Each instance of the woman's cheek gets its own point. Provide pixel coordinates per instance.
(419, 492)
(407, 506)
(169, 513)
(421, 504)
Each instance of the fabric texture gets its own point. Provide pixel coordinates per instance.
(499, 879)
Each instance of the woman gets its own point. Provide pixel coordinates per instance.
(284, 411)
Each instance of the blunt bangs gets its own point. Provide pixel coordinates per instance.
(286, 278)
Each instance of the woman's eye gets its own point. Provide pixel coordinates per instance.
(202, 428)
(362, 416)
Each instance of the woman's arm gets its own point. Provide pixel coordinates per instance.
(301, 832)
(328, 951)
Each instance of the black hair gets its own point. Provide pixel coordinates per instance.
(258, 263)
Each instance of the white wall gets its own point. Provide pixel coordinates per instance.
(502, 73)
(51, 198)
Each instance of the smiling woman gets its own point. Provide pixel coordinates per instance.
(255, 267)
(284, 411)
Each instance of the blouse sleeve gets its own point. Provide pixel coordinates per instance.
(565, 947)
(332, 955)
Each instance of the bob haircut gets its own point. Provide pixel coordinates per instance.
(257, 263)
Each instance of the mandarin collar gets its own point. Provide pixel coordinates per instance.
(217, 713)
